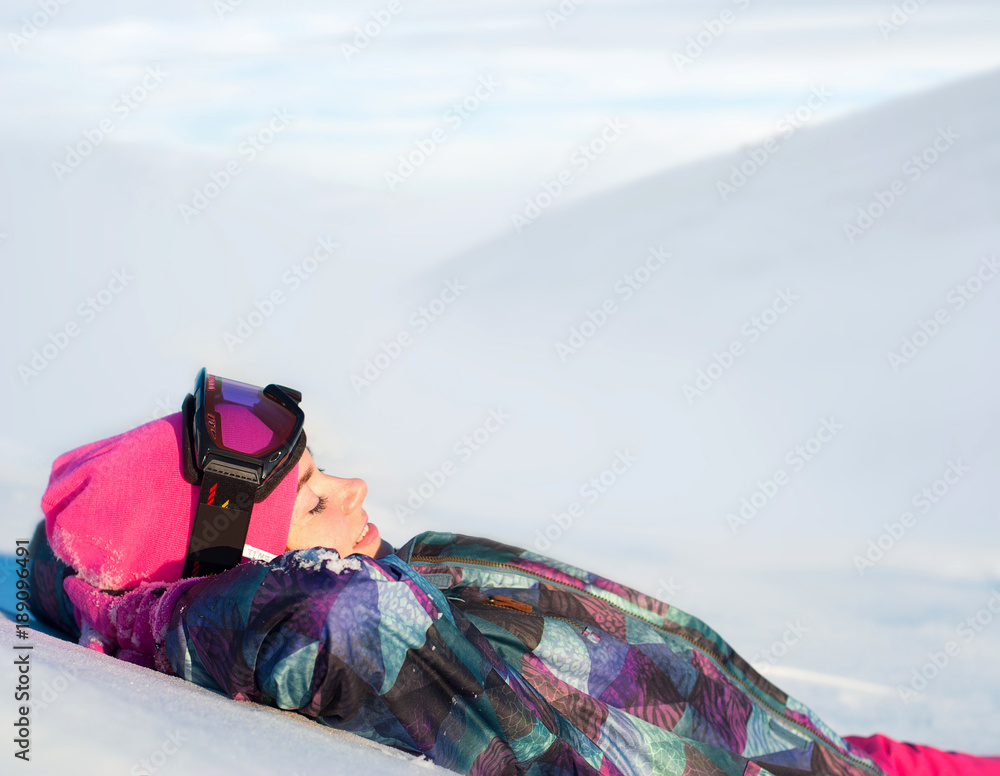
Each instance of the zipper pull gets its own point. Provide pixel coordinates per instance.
(510, 603)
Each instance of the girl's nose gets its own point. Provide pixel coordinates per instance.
(355, 491)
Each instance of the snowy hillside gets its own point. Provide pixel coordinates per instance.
(761, 477)
(731, 432)
(117, 718)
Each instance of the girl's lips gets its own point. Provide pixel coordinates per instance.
(369, 537)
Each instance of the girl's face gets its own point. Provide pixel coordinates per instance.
(328, 513)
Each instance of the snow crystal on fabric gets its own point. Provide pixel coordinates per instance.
(319, 559)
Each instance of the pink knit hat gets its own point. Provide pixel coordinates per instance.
(120, 511)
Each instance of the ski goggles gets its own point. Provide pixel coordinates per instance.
(239, 442)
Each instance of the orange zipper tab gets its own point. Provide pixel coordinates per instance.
(510, 603)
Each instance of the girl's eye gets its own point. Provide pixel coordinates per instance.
(320, 506)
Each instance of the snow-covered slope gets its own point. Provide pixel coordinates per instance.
(815, 372)
(784, 587)
(93, 714)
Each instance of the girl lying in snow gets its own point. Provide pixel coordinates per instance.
(157, 548)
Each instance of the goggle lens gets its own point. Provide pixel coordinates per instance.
(241, 419)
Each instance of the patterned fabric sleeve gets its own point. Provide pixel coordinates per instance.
(369, 647)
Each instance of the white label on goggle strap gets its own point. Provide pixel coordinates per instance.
(257, 554)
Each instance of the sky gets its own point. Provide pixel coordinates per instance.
(367, 82)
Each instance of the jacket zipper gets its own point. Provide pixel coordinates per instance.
(719, 661)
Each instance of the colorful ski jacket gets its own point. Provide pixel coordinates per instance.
(489, 659)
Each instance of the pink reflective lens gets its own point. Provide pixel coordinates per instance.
(242, 419)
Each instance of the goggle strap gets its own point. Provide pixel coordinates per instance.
(189, 465)
(221, 523)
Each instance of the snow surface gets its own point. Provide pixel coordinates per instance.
(97, 714)
(784, 588)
